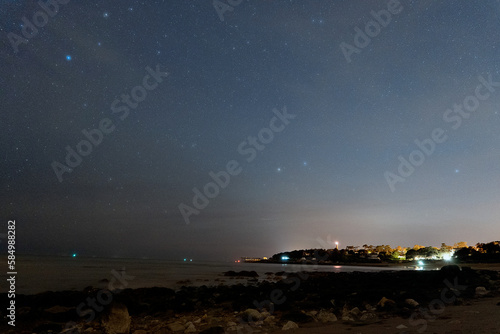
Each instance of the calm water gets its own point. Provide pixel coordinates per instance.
(41, 273)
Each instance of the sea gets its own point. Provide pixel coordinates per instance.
(35, 274)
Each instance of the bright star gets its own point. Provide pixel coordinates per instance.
(105, 15)
(68, 57)
(278, 169)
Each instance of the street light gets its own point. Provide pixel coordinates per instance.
(337, 244)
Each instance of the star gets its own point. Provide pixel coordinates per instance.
(68, 57)
(278, 169)
(457, 171)
(105, 15)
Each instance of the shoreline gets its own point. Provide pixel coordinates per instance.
(315, 302)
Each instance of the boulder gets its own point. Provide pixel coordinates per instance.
(117, 320)
(290, 325)
(368, 317)
(190, 328)
(386, 303)
(176, 327)
(325, 316)
(270, 320)
(355, 311)
(243, 273)
(251, 315)
(481, 291)
(412, 303)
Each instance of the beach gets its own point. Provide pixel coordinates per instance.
(451, 300)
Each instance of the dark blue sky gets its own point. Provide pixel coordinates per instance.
(328, 172)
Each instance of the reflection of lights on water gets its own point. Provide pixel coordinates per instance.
(421, 263)
(337, 267)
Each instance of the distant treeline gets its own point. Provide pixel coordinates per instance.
(481, 252)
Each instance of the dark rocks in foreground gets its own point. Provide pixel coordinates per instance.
(355, 297)
(243, 273)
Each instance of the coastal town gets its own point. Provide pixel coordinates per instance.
(460, 251)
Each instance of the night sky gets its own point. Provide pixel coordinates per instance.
(306, 115)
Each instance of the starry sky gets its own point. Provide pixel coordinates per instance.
(302, 110)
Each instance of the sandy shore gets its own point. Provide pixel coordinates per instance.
(478, 316)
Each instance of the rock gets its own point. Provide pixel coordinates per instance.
(386, 303)
(481, 291)
(325, 316)
(117, 320)
(190, 328)
(370, 308)
(265, 314)
(176, 327)
(348, 318)
(243, 273)
(401, 326)
(412, 303)
(369, 317)
(270, 320)
(346, 314)
(231, 324)
(251, 315)
(355, 311)
(289, 325)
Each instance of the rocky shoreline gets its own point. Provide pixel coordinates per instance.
(284, 301)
